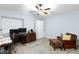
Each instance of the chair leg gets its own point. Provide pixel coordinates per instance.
(64, 49)
(54, 48)
(75, 48)
(50, 43)
(61, 48)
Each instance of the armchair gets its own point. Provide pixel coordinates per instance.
(70, 43)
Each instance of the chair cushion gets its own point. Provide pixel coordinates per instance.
(56, 43)
(66, 37)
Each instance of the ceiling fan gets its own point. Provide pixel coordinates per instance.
(42, 9)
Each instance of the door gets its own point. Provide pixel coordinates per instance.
(39, 27)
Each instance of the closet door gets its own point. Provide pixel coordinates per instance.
(39, 26)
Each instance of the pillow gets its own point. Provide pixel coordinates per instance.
(66, 37)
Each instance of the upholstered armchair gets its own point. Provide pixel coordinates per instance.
(69, 41)
(65, 41)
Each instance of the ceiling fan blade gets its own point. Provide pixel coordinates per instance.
(45, 12)
(37, 13)
(37, 7)
(47, 9)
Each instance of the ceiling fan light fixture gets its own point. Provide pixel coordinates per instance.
(40, 5)
(41, 9)
(37, 7)
(45, 12)
(47, 9)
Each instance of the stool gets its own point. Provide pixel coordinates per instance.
(56, 43)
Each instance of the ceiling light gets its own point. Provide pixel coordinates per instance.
(41, 8)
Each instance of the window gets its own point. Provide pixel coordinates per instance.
(11, 23)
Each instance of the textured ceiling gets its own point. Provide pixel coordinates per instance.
(61, 8)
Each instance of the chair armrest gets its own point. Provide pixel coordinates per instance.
(59, 38)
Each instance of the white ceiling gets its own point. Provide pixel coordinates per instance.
(12, 7)
(62, 8)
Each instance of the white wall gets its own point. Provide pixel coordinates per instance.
(28, 18)
(62, 23)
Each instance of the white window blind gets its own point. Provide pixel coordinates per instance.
(11, 23)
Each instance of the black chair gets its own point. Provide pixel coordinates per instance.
(17, 34)
(13, 33)
(22, 30)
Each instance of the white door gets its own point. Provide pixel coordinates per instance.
(39, 26)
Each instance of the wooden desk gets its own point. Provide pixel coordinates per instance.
(30, 37)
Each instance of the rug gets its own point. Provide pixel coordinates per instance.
(41, 46)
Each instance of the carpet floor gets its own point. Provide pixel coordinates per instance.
(40, 47)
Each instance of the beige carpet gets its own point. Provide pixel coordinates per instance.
(40, 47)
